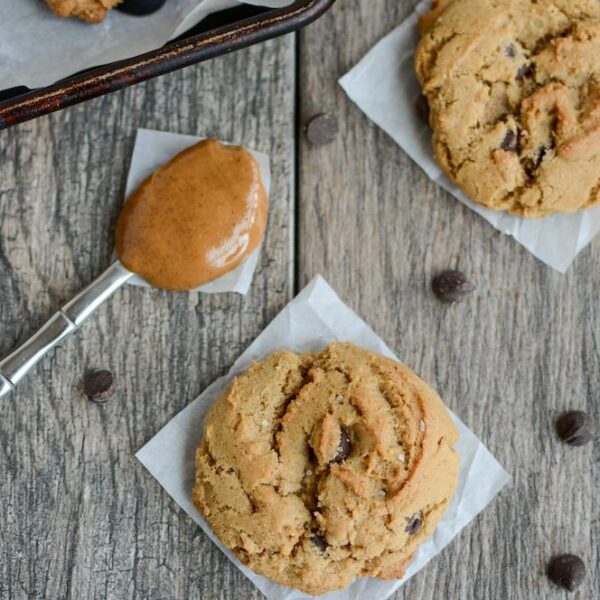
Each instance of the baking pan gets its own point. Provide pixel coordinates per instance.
(255, 25)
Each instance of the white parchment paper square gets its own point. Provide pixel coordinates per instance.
(38, 48)
(153, 149)
(315, 318)
(384, 86)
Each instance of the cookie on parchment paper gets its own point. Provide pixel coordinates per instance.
(514, 93)
(316, 469)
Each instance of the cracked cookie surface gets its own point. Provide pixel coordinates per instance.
(514, 93)
(319, 468)
(92, 11)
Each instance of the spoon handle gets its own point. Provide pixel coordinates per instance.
(60, 326)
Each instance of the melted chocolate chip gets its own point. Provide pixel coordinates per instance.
(414, 523)
(344, 448)
(510, 143)
(575, 427)
(99, 386)
(534, 163)
(422, 108)
(510, 50)
(451, 286)
(566, 570)
(319, 541)
(525, 70)
(539, 157)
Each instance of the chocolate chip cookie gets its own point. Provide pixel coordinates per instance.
(514, 93)
(319, 468)
(92, 11)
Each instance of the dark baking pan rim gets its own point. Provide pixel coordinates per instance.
(174, 55)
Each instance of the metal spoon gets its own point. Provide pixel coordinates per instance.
(60, 326)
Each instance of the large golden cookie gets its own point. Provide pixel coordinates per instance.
(316, 469)
(514, 94)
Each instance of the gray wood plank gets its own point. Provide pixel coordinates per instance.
(524, 347)
(80, 517)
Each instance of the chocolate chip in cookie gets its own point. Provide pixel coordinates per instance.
(510, 143)
(524, 71)
(344, 448)
(414, 523)
(539, 156)
(319, 541)
(534, 164)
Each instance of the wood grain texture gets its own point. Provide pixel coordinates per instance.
(80, 517)
(523, 348)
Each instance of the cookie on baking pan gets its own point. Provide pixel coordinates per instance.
(319, 468)
(92, 11)
(514, 93)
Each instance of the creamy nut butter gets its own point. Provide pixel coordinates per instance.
(195, 218)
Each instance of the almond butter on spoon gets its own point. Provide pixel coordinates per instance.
(194, 219)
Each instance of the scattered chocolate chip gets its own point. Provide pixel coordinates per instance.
(99, 386)
(322, 129)
(511, 51)
(140, 7)
(422, 108)
(344, 448)
(525, 70)
(575, 427)
(414, 523)
(566, 570)
(510, 143)
(451, 286)
(319, 541)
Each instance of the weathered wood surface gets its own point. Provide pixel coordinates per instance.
(80, 518)
(522, 349)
